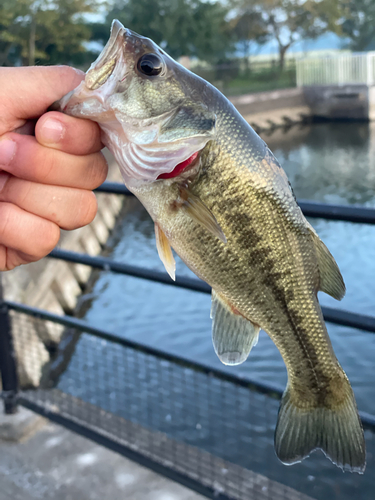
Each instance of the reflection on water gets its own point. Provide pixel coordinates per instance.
(332, 163)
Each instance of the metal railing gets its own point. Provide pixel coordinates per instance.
(357, 68)
(78, 385)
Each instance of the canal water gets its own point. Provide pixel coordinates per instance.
(329, 162)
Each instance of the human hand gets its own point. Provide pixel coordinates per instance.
(46, 179)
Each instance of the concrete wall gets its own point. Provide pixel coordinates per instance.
(270, 110)
(348, 102)
(371, 103)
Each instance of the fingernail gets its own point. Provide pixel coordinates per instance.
(7, 151)
(52, 131)
(4, 176)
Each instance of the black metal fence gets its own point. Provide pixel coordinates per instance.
(198, 425)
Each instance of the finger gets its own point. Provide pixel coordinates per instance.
(35, 236)
(69, 208)
(23, 157)
(72, 135)
(10, 258)
(27, 92)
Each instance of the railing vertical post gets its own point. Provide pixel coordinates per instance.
(8, 366)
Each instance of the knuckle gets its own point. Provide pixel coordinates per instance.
(89, 208)
(99, 169)
(47, 164)
(85, 210)
(51, 238)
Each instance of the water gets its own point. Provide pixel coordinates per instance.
(333, 163)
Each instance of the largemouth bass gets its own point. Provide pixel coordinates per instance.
(220, 199)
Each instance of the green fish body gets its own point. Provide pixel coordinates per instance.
(220, 199)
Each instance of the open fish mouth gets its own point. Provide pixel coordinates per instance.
(101, 69)
(101, 80)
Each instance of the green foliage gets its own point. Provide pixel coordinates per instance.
(359, 23)
(181, 27)
(54, 31)
(43, 31)
(288, 21)
(249, 29)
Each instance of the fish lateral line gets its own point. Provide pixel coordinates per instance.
(180, 167)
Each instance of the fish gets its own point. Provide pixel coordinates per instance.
(220, 199)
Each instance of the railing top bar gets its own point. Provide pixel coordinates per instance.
(114, 188)
(337, 316)
(274, 391)
(347, 213)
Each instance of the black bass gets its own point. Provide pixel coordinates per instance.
(220, 199)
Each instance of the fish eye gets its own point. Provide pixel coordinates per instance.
(150, 64)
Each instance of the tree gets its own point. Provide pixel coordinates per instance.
(289, 21)
(250, 30)
(47, 31)
(359, 23)
(180, 27)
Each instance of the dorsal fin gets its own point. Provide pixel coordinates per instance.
(233, 335)
(331, 281)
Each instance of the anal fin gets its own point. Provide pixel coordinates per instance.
(233, 335)
(165, 252)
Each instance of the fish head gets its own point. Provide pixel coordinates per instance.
(150, 108)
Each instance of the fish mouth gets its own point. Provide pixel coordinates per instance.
(103, 67)
(101, 79)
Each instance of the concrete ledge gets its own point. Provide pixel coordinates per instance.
(270, 110)
(19, 426)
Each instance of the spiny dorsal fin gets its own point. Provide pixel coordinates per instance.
(165, 252)
(331, 281)
(233, 336)
(198, 211)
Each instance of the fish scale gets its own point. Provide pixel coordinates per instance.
(232, 217)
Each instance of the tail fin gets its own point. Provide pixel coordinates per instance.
(337, 432)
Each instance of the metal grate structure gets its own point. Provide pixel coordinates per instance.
(200, 426)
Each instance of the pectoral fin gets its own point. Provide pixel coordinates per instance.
(331, 281)
(233, 336)
(165, 252)
(198, 211)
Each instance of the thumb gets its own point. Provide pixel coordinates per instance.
(27, 92)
